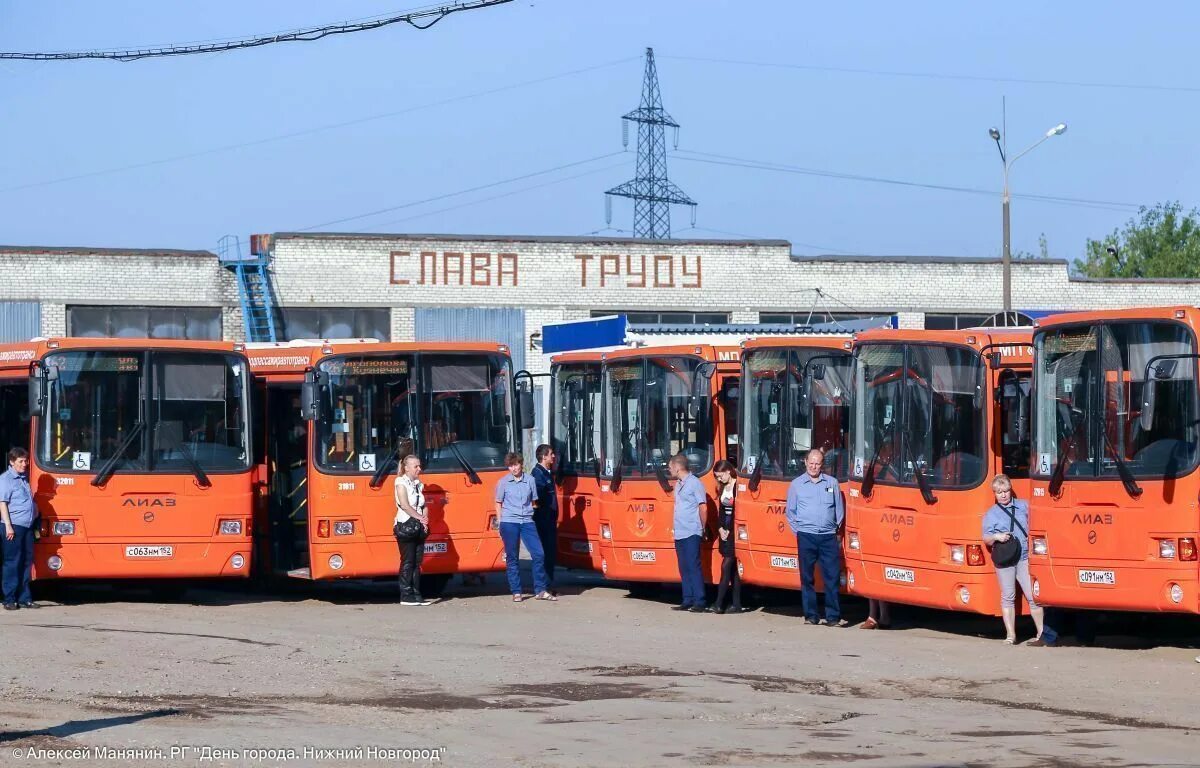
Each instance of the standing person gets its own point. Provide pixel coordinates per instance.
(815, 511)
(1007, 519)
(411, 528)
(545, 517)
(726, 477)
(690, 506)
(879, 615)
(516, 495)
(20, 518)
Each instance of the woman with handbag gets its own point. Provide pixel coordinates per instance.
(411, 528)
(1006, 534)
(726, 477)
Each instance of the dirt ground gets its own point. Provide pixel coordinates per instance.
(600, 678)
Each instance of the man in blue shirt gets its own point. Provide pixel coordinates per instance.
(545, 516)
(691, 506)
(516, 495)
(20, 520)
(815, 511)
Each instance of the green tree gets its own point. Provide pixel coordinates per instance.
(1163, 241)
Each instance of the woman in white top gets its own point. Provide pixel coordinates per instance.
(411, 528)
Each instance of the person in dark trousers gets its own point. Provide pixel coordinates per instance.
(516, 496)
(411, 528)
(20, 518)
(690, 507)
(815, 511)
(731, 581)
(545, 516)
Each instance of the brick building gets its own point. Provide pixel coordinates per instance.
(406, 287)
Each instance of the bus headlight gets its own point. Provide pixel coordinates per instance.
(606, 531)
(958, 554)
(231, 527)
(64, 527)
(1176, 593)
(852, 540)
(335, 562)
(1039, 545)
(237, 561)
(1166, 549)
(54, 562)
(343, 528)
(743, 534)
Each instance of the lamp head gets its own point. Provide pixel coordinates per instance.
(995, 134)
(1057, 130)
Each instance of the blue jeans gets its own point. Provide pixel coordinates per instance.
(688, 552)
(18, 560)
(825, 550)
(547, 528)
(513, 535)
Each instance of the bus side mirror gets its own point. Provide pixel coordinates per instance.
(1149, 395)
(308, 396)
(37, 390)
(525, 410)
(995, 360)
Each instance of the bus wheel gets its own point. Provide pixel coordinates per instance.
(434, 584)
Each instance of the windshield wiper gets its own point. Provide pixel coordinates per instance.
(868, 482)
(1131, 487)
(382, 470)
(1060, 472)
(923, 484)
(110, 466)
(756, 475)
(660, 472)
(197, 470)
(472, 475)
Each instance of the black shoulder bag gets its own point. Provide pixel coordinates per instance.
(1006, 554)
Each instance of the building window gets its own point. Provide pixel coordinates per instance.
(198, 323)
(667, 318)
(813, 318)
(949, 322)
(336, 323)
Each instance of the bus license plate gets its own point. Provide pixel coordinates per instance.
(778, 561)
(643, 556)
(435, 548)
(161, 551)
(899, 574)
(1108, 578)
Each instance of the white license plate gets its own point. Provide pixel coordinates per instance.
(643, 556)
(1108, 578)
(899, 574)
(778, 561)
(582, 547)
(436, 548)
(161, 551)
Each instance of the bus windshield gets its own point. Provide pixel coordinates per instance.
(153, 411)
(453, 410)
(1112, 394)
(576, 422)
(919, 409)
(777, 432)
(654, 408)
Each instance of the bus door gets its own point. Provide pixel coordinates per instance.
(1012, 396)
(729, 394)
(286, 434)
(575, 435)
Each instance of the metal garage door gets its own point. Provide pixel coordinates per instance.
(20, 320)
(506, 326)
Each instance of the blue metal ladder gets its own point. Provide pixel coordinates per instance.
(254, 284)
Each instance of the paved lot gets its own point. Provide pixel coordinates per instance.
(597, 679)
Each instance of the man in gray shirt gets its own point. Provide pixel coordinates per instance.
(815, 511)
(690, 507)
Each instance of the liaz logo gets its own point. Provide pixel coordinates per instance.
(148, 502)
(776, 509)
(1092, 518)
(895, 518)
(641, 509)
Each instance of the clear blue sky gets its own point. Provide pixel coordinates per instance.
(1123, 145)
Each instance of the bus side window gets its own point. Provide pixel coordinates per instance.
(1014, 423)
(731, 394)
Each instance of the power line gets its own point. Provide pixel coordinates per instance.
(316, 129)
(435, 198)
(423, 18)
(943, 76)
(715, 159)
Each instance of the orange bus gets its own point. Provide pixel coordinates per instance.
(781, 419)
(574, 433)
(338, 416)
(141, 456)
(1113, 520)
(658, 402)
(937, 414)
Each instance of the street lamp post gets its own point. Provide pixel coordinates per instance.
(1008, 163)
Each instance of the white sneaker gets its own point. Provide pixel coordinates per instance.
(416, 602)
